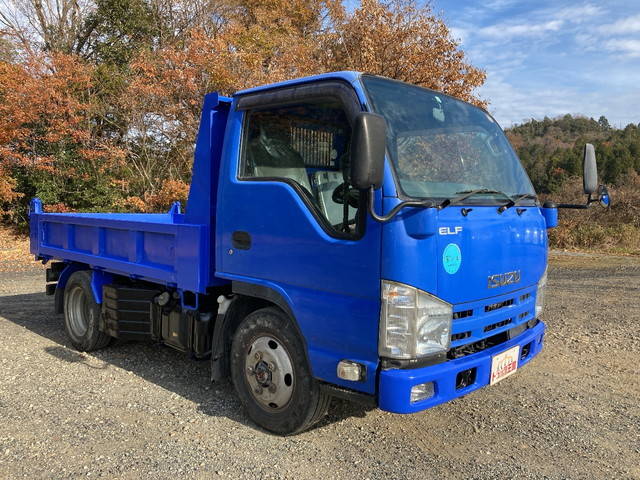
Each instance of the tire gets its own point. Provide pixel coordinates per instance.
(271, 376)
(82, 314)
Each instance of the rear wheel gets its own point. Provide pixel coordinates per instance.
(82, 313)
(271, 375)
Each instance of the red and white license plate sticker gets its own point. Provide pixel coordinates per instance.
(504, 364)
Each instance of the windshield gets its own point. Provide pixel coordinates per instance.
(442, 147)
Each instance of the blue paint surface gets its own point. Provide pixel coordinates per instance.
(395, 385)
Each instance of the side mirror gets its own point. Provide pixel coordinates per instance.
(590, 175)
(590, 183)
(368, 147)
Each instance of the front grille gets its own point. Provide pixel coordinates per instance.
(496, 306)
(475, 347)
(493, 326)
(460, 336)
(485, 323)
(462, 314)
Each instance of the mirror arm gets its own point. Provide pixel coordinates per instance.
(396, 209)
(572, 205)
(575, 206)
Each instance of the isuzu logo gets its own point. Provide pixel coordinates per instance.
(502, 279)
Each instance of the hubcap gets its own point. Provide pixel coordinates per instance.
(269, 373)
(77, 311)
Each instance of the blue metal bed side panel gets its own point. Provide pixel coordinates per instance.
(160, 248)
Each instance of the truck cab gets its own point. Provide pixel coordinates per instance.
(345, 235)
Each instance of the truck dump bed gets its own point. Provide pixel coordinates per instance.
(156, 247)
(171, 248)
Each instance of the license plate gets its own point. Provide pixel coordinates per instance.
(504, 364)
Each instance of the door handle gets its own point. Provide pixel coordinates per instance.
(241, 240)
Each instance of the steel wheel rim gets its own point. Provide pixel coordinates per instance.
(269, 373)
(78, 311)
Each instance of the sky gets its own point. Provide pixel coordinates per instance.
(552, 57)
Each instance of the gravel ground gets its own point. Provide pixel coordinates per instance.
(142, 410)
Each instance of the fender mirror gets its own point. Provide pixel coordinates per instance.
(590, 183)
(368, 147)
(590, 170)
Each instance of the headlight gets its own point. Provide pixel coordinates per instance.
(542, 286)
(413, 323)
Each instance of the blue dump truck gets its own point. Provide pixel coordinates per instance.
(345, 235)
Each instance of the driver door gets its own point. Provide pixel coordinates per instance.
(299, 238)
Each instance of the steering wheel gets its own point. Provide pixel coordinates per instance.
(352, 195)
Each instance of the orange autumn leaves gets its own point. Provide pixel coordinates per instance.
(131, 147)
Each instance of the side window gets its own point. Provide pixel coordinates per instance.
(306, 143)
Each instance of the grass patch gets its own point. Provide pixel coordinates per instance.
(571, 235)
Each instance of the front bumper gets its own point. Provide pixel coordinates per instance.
(394, 388)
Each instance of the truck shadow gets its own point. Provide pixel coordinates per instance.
(163, 366)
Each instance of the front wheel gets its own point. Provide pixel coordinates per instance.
(81, 314)
(271, 375)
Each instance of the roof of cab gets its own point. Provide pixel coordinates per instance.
(349, 76)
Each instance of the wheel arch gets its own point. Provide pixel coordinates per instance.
(246, 299)
(98, 279)
(65, 274)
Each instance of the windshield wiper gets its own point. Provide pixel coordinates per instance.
(513, 202)
(470, 193)
(524, 196)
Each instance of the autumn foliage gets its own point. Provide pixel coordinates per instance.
(404, 42)
(47, 143)
(99, 105)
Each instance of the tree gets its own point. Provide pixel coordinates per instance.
(604, 123)
(7, 49)
(47, 145)
(272, 40)
(101, 101)
(400, 40)
(117, 30)
(52, 25)
(557, 149)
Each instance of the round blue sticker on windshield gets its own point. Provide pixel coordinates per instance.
(451, 258)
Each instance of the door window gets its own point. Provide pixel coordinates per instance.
(305, 144)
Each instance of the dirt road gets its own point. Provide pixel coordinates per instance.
(135, 411)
